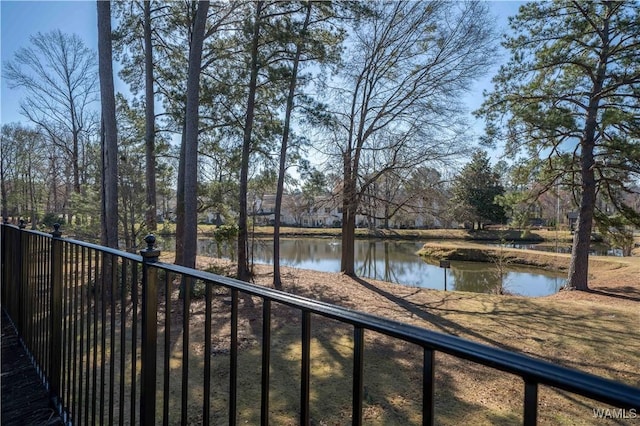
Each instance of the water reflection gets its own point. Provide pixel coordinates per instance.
(393, 261)
(483, 278)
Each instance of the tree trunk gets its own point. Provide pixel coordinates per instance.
(244, 273)
(180, 204)
(150, 149)
(191, 138)
(579, 266)
(109, 125)
(277, 280)
(54, 183)
(347, 260)
(75, 155)
(109, 147)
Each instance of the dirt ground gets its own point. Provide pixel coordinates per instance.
(596, 331)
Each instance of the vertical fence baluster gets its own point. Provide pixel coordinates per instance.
(94, 370)
(305, 373)
(35, 350)
(4, 284)
(21, 278)
(149, 333)
(82, 355)
(4, 252)
(66, 336)
(47, 288)
(134, 342)
(358, 376)
(428, 382)
(10, 250)
(530, 403)
(15, 272)
(75, 376)
(87, 379)
(44, 253)
(123, 340)
(266, 361)
(103, 331)
(187, 284)
(167, 348)
(233, 374)
(206, 403)
(112, 336)
(27, 338)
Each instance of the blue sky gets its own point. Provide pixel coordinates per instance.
(21, 19)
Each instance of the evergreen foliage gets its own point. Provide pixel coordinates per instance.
(475, 192)
(569, 100)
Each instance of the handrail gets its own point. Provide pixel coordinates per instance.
(539, 370)
(77, 304)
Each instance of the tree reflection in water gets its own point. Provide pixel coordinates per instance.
(395, 261)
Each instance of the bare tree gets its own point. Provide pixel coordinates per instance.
(410, 63)
(58, 73)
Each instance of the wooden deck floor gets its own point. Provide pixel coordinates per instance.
(24, 397)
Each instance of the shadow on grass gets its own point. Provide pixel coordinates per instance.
(437, 321)
(624, 293)
(553, 331)
(392, 372)
(465, 393)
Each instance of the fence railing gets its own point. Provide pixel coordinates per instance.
(120, 338)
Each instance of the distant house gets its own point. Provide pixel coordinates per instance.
(263, 210)
(325, 211)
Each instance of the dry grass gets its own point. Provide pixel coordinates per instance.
(596, 332)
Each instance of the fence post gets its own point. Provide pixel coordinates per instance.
(149, 332)
(4, 260)
(55, 340)
(21, 270)
(11, 282)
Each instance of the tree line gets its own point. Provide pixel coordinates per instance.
(228, 98)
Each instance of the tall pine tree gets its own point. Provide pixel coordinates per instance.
(569, 99)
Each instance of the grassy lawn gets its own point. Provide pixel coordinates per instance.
(597, 332)
(594, 332)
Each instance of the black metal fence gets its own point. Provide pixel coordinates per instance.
(120, 338)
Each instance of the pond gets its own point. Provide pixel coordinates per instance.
(395, 261)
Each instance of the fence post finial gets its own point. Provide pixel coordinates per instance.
(57, 233)
(22, 224)
(150, 254)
